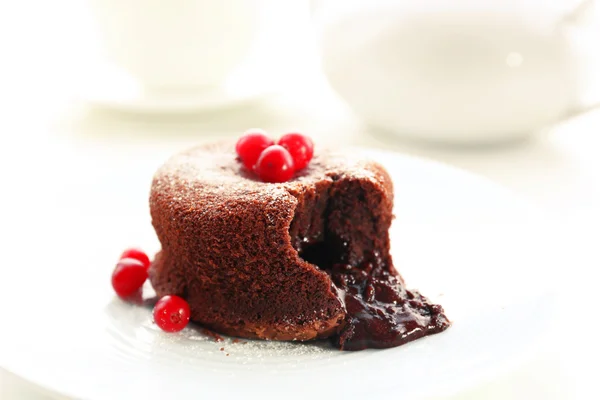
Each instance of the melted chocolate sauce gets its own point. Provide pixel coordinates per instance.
(381, 312)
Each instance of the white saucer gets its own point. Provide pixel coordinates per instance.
(457, 238)
(111, 88)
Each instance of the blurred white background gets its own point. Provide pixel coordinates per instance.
(57, 81)
(62, 91)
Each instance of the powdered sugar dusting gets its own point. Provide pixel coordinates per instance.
(134, 336)
(213, 171)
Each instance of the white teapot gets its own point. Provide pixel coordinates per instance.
(459, 71)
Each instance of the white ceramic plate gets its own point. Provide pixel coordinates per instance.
(460, 240)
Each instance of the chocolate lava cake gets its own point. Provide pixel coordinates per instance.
(300, 260)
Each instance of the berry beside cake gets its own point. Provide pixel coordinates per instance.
(265, 244)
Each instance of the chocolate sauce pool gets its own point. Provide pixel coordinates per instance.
(381, 312)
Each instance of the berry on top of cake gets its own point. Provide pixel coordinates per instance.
(274, 162)
(285, 255)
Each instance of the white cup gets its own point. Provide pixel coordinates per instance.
(462, 71)
(177, 44)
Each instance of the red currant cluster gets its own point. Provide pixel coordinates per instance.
(171, 313)
(274, 162)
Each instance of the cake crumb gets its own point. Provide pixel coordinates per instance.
(222, 348)
(214, 335)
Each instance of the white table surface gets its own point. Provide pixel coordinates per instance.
(558, 170)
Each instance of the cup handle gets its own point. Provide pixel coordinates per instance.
(577, 111)
(576, 17)
(577, 14)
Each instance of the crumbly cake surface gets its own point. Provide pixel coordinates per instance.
(255, 259)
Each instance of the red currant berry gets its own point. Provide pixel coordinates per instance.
(250, 145)
(171, 313)
(300, 147)
(275, 164)
(128, 277)
(138, 255)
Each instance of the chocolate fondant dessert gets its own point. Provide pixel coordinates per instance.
(299, 260)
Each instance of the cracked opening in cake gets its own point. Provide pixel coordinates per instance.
(344, 221)
(342, 228)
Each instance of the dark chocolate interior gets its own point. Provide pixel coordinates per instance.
(337, 229)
